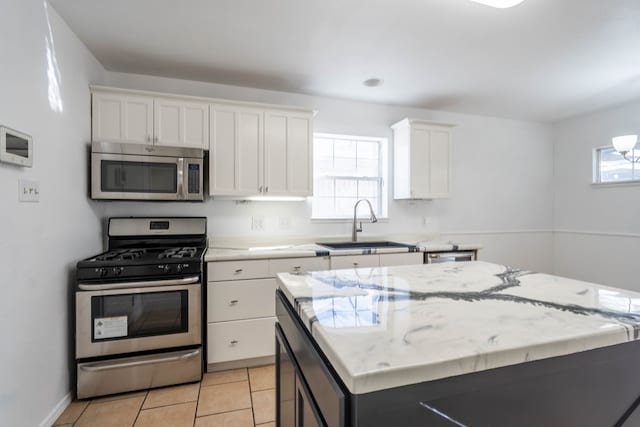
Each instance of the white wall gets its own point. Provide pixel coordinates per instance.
(40, 242)
(502, 175)
(597, 228)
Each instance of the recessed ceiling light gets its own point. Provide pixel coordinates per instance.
(502, 4)
(373, 82)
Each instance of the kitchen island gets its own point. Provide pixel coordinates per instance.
(455, 344)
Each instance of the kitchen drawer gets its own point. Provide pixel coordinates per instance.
(405, 258)
(354, 261)
(240, 339)
(238, 270)
(240, 299)
(291, 265)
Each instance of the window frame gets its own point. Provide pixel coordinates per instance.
(596, 176)
(382, 211)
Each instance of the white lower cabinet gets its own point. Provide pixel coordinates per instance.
(241, 299)
(408, 258)
(241, 309)
(240, 339)
(354, 261)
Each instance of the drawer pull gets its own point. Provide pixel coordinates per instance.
(296, 269)
(239, 270)
(233, 302)
(233, 343)
(355, 264)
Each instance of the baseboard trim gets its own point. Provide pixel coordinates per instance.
(244, 363)
(599, 233)
(56, 411)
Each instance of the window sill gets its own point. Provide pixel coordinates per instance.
(344, 220)
(631, 183)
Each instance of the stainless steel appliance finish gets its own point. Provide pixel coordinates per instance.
(119, 227)
(146, 172)
(89, 344)
(456, 256)
(138, 372)
(139, 307)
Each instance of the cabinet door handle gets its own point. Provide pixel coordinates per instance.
(239, 270)
(148, 138)
(355, 264)
(266, 189)
(234, 342)
(233, 302)
(260, 189)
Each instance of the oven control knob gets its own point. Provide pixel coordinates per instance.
(181, 267)
(102, 271)
(117, 271)
(165, 268)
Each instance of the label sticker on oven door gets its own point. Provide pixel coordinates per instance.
(109, 327)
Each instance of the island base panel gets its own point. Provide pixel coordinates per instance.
(594, 388)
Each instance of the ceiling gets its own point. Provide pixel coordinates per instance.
(544, 60)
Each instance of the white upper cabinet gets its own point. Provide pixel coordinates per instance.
(256, 152)
(422, 160)
(118, 116)
(122, 118)
(180, 123)
(235, 150)
(255, 149)
(287, 146)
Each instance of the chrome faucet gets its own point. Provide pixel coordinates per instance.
(354, 233)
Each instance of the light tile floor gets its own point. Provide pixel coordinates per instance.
(236, 398)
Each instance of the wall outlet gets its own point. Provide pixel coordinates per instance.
(257, 223)
(284, 222)
(28, 191)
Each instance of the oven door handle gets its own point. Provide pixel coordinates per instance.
(143, 284)
(106, 367)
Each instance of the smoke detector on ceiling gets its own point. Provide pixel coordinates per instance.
(501, 4)
(373, 82)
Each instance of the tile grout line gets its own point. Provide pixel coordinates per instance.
(140, 408)
(195, 414)
(82, 412)
(253, 414)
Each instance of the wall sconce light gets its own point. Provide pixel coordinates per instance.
(625, 144)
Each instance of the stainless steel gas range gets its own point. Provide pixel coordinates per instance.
(139, 307)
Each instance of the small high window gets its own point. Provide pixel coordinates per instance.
(345, 169)
(611, 167)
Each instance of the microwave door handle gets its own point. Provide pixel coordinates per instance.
(181, 194)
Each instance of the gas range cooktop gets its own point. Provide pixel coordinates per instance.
(143, 249)
(146, 255)
(141, 263)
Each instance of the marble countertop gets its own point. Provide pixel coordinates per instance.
(264, 252)
(439, 246)
(392, 326)
(311, 249)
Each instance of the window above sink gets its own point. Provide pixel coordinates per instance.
(346, 169)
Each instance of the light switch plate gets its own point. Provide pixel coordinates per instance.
(28, 191)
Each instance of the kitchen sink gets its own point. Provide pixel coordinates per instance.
(364, 245)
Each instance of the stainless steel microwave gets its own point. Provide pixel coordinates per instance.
(146, 172)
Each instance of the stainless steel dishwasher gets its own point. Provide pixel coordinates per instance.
(450, 256)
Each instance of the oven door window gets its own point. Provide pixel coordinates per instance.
(138, 177)
(139, 315)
